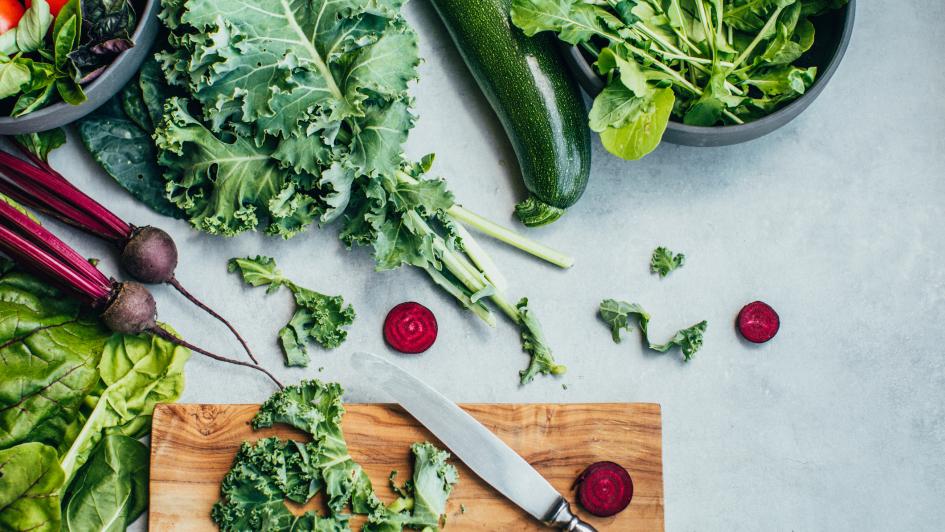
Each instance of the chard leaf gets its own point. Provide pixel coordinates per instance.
(50, 351)
(29, 491)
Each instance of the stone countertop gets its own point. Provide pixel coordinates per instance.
(836, 220)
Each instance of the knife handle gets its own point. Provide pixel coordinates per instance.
(563, 519)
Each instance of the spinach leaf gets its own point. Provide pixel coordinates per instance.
(111, 489)
(30, 479)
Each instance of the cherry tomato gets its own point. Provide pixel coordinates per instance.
(11, 11)
(55, 6)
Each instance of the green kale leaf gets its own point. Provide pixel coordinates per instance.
(533, 343)
(317, 316)
(664, 261)
(619, 315)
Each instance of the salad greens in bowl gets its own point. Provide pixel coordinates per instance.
(695, 72)
(59, 60)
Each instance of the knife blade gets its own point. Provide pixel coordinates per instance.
(480, 449)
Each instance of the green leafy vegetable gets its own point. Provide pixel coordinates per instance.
(266, 474)
(71, 388)
(317, 316)
(30, 478)
(619, 315)
(111, 490)
(664, 261)
(699, 61)
(42, 143)
(533, 342)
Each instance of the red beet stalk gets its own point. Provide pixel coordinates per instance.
(148, 254)
(126, 308)
(410, 328)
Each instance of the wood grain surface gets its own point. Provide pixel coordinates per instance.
(193, 445)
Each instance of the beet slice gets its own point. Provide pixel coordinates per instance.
(758, 322)
(604, 489)
(410, 328)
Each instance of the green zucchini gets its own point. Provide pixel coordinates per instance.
(539, 105)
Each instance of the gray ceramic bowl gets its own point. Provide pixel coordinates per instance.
(102, 88)
(834, 30)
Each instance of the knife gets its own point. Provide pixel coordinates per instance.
(480, 449)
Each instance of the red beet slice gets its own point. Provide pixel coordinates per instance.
(410, 328)
(758, 322)
(604, 489)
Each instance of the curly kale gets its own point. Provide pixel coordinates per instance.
(664, 261)
(267, 473)
(317, 316)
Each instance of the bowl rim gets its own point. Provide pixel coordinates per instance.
(587, 72)
(123, 57)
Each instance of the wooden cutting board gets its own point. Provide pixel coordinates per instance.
(193, 445)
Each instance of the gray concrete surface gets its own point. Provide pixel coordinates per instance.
(835, 220)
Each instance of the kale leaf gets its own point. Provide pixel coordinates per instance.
(664, 261)
(619, 315)
(317, 316)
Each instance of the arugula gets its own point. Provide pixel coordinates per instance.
(664, 261)
(619, 316)
(269, 472)
(316, 316)
(698, 61)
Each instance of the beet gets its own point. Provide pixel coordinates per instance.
(410, 328)
(132, 309)
(150, 255)
(604, 489)
(758, 322)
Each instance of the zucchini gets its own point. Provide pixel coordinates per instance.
(539, 105)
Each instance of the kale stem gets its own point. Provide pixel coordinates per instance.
(477, 308)
(510, 237)
(481, 259)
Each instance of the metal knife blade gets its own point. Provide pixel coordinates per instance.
(480, 449)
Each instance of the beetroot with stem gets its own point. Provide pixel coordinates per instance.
(410, 328)
(604, 489)
(758, 322)
(147, 253)
(126, 308)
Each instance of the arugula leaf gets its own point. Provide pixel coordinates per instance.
(111, 490)
(619, 314)
(664, 261)
(317, 316)
(29, 498)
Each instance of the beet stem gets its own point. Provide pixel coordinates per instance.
(59, 186)
(161, 333)
(193, 299)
